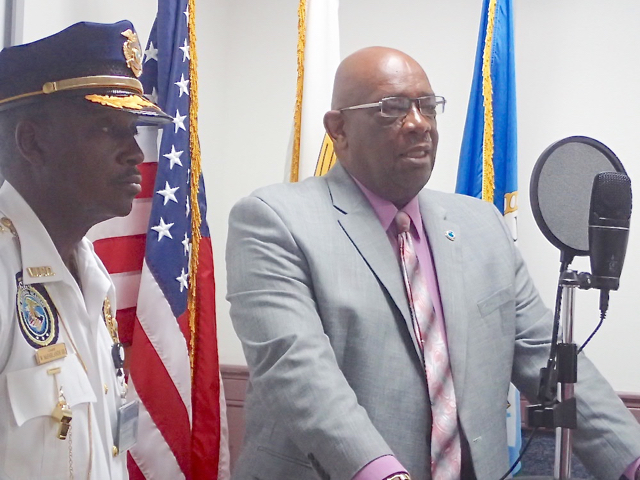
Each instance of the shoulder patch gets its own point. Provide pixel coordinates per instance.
(37, 315)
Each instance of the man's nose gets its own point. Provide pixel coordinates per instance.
(133, 154)
(415, 120)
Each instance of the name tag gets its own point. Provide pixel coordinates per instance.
(127, 428)
(51, 353)
(38, 272)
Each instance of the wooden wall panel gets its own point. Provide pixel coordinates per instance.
(235, 380)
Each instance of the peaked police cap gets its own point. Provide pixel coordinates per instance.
(98, 62)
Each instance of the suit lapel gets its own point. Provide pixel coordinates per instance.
(447, 258)
(360, 223)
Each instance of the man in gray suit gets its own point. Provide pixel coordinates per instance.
(337, 381)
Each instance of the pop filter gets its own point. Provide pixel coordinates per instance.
(560, 190)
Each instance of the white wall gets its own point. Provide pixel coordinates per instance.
(577, 73)
(46, 17)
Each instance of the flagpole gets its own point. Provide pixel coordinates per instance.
(13, 22)
(13, 26)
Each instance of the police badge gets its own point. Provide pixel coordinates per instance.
(37, 316)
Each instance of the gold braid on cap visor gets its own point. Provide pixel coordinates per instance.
(97, 81)
(133, 102)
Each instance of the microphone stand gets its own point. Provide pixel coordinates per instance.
(561, 370)
(569, 280)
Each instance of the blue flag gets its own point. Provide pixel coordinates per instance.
(488, 167)
(488, 157)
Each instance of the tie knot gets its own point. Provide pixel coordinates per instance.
(403, 222)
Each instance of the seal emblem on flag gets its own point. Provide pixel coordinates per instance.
(37, 317)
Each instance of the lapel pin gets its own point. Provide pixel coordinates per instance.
(450, 234)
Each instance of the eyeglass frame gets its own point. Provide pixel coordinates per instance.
(440, 100)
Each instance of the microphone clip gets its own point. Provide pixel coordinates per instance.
(582, 280)
(586, 281)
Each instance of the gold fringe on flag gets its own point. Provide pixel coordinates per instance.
(297, 116)
(196, 168)
(488, 173)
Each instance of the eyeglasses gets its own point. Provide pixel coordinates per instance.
(396, 107)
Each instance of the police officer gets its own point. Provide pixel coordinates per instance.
(69, 105)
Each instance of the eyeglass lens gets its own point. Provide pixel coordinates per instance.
(429, 106)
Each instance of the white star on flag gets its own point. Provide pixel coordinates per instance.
(150, 53)
(174, 157)
(188, 207)
(163, 229)
(186, 13)
(182, 280)
(185, 51)
(186, 244)
(179, 121)
(182, 85)
(168, 193)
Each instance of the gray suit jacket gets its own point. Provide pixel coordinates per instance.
(318, 301)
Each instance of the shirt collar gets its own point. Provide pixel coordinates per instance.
(386, 210)
(37, 248)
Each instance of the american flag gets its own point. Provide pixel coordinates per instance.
(161, 260)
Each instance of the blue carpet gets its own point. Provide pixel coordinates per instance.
(540, 456)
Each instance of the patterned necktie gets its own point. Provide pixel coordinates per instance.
(445, 438)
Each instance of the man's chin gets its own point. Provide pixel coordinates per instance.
(125, 210)
(121, 210)
(421, 178)
(409, 189)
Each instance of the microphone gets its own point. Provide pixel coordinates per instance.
(609, 215)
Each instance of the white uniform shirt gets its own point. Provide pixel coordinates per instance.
(29, 447)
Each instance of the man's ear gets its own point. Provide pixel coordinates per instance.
(334, 125)
(29, 137)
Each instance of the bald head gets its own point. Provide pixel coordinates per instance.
(368, 70)
(390, 155)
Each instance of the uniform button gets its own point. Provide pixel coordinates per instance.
(106, 388)
(114, 450)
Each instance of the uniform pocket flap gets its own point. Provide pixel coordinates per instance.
(32, 391)
(494, 301)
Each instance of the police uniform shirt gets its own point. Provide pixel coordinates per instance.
(55, 310)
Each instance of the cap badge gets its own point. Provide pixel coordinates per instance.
(132, 51)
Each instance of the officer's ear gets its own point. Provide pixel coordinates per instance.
(29, 138)
(334, 125)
